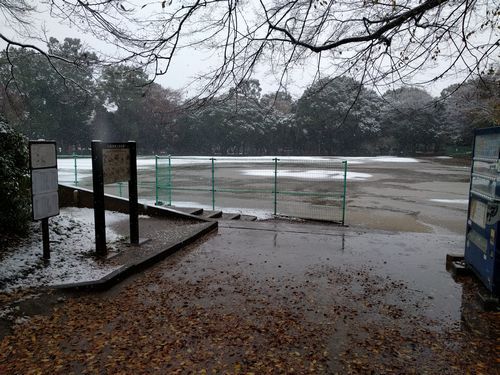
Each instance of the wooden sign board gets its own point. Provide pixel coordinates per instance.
(116, 164)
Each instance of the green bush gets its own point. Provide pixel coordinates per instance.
(14, 183)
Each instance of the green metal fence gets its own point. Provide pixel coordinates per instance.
(313, 188)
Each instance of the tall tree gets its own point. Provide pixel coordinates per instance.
(49, 99)
(471, 105)
(337, 117)
(159, 126)
(119, 113)
(411, 117)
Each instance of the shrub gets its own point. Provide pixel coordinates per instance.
(14, 183)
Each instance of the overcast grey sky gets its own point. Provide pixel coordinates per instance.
(190, 62)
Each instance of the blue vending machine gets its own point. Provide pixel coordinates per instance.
(482, 248)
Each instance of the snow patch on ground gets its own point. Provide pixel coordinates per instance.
(66, 166)
(72, 246)
(454, 201)
(379, 159)
(312, 174)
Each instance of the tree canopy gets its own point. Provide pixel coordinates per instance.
(371, 41)
(340, 116)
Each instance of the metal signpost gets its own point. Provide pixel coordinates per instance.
(114, 162)
(44, 186)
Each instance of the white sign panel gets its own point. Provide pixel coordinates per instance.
(45, 205)
(43, 155)
(44, 181)
(116, 165)
(478, 211)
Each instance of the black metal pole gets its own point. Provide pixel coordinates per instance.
(132, 195)
(45, 239)
(98, 184)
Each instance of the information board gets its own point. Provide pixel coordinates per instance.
(45, 205)
(44, 182)
(43, 154)
(116, 164)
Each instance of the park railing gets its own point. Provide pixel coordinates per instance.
(312, 188)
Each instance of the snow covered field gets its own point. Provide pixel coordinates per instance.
(72, 249)
(66, 166)
(244, 184)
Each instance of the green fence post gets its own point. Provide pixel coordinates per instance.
(75, 157)
(213, 184)
(345, 190)
(120, 189)
(275, 185)
(156, 180)
(169, 180)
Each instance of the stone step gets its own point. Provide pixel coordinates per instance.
(189, 210)
(229, 216)
(212, 214)
(248, 218)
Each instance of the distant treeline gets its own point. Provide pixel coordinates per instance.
(75, 103)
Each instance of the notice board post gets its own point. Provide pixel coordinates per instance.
(132, 195)
(114, 162)
(98, 186)
(44, 186)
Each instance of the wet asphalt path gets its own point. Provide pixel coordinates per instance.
(273, 297)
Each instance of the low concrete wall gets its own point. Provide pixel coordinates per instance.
(71, 196)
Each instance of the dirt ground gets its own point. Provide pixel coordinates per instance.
(399, 196)
(287, 297)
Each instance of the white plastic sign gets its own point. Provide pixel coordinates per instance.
(45, 205)
(44, 182)
(43, 155)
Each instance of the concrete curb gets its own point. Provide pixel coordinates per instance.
(72, 196)
(130, 269)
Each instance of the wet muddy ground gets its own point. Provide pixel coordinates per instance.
(284, 297)
(402, 196)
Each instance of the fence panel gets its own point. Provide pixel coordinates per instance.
(185, 181)
(311, 188)
(244, 183)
